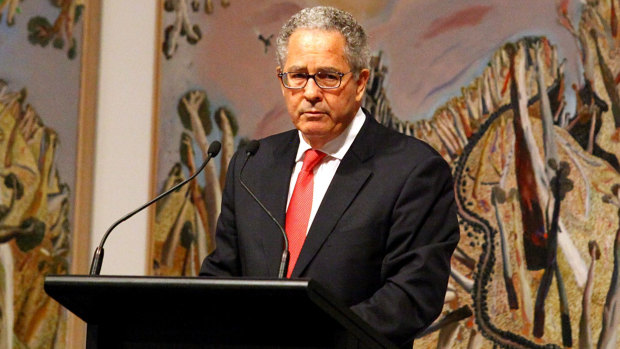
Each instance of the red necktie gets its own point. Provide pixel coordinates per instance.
(298, 213)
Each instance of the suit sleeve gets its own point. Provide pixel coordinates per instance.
(224, 260)
(421, 238)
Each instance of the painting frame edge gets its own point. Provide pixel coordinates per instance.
(83, 201)
(153, 191)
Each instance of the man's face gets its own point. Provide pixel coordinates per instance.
(321, 114)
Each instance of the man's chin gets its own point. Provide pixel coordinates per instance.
(314, 125)
(314, 133)
(317, 136)
(315, 129)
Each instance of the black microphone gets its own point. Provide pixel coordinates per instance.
(250, 150)
(95, 265)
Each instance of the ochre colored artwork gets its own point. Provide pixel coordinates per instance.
(522, 100)
(40, 43)
(35, 235)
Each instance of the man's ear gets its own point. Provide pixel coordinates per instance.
(362, 80)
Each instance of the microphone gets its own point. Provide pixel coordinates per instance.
(95, 266)
(250, 150)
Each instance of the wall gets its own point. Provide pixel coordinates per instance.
(124, 121)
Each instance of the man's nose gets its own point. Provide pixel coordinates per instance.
(312, 91)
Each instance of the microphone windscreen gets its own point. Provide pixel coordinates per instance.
(214, 148)
(252, 147)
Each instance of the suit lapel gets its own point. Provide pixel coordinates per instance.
(352, 173)
(271, 185)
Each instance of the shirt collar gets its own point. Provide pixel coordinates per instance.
(338, 146)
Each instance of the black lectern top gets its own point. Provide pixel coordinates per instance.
(173, 312)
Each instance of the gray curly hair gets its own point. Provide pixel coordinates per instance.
(356, 50)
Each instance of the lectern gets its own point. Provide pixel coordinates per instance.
(165, 312)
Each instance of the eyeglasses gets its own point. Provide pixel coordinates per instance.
(323, 79)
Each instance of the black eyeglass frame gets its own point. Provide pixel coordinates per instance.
(312, 76)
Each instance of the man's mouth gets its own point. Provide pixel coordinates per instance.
(313, 113)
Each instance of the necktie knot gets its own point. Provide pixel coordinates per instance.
(311, 159)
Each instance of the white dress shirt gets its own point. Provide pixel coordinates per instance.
(324, 172)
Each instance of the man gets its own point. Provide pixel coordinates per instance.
(378, 225)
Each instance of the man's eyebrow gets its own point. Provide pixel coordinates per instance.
(297, 68)
(328, 69)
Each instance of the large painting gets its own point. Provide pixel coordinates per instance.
(47, 86)
(521, 98)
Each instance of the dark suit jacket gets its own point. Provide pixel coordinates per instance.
(381, 240)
